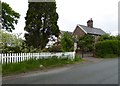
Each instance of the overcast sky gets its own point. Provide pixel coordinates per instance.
(72, 12)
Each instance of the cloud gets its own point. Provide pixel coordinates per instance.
(73, 12)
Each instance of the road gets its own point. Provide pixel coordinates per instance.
(101, 72)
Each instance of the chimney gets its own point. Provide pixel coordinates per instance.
(90, 23)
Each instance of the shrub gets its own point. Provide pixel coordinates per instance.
(108, 48)
(55, 49)
(77, 58)
(106, 37)
(67, 43)
(11, 49)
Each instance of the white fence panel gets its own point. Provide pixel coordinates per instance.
(19, 57)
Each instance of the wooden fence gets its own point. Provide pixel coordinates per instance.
(19, 57)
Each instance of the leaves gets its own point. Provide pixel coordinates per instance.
(41, 23)
(9, 42)
(9, 17)
(107, 37)
(107, 48)
(86, 42)
(67, 42)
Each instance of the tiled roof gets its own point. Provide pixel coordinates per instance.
(94, 31)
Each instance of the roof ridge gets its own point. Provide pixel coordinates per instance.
(90, 27)
(93, 30)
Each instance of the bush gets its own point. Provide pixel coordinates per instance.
(77, 58)
(55, 49)
(11, 49)
(106, 37)
(108, 48)
(67, 43)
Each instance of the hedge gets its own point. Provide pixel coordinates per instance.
(108, 48)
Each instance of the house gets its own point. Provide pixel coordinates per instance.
(81, 30)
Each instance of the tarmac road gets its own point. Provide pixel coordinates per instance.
(99, 72)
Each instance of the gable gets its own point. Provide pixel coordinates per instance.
(78, 32)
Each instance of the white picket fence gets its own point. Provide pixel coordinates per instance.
(19, 57)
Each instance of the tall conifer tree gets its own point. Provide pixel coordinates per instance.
(41, 23)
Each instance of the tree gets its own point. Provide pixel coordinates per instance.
(107, 37)
(0, 14)
(9, 42)
(118, 37)
(41, 23)
(67, 43)
(9, 17)
(86, 43)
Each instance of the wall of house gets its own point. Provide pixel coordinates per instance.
(78, 32)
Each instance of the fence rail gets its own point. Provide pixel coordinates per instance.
(19, 57)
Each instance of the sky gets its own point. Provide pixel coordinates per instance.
(119, 17)
(72, 12)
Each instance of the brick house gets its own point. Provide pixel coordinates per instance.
(81, 30)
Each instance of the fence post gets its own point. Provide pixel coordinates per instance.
(30, 55)
(74, 55)
(16, 57)
(10, 58)
(26, 56)
(12, 61)
(21, 57)
(7, 58)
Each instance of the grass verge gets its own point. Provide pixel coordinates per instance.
(40, 64)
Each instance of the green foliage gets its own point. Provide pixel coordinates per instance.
(29, 49)
(9, 17)
(55, 49)
(41, 23)
(108, 48)
(86, 42)
(118, 37)
(33, 64)
(11, 49)
(9, 42)
(77, 58)
(107, 37)
(67, 43)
